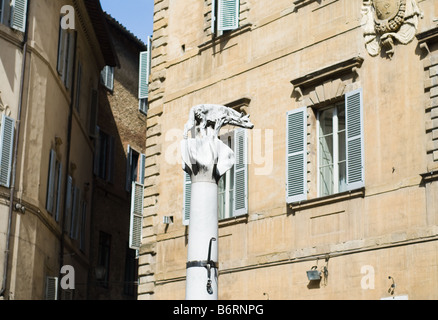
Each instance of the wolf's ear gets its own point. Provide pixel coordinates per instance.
(242, 114)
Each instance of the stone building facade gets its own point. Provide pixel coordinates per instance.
(51, 55)
(342, 162)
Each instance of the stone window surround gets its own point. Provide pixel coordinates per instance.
(428, 42)
(314, 91)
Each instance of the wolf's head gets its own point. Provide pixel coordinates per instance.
(243, 122)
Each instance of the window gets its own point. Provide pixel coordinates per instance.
(226, 184)
(66, 48)
(340, 148)
(14, 13)
(104, 156)
(233, 186)
(103, 257)
(130, 273)
(53, 201)
(332, 159)
(143, 105)
(225, 16)
(107, 77)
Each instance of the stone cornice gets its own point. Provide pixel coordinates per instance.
(329, 72)
(427, 38)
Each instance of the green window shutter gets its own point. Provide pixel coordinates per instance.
(128, 182)
(75, 212)
(58, 195)
(213, 16)
(187, 198)
(51, 182)
(240, 172)
(51, 288)
(61, 49)
(83, 225)
(296, 158)
(19, 15)
(69, 63)
(111, 151)
(355, 139)
(107, 77)
(7, 145)
(68, 204)
(78, 87)
(110, 78)
(143, 81)
(142, 168)
(136, 221)
(228, 14)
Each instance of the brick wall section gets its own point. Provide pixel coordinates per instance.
(147, 259)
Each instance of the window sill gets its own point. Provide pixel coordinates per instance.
(233, 220)
(224, 37)
(322, 201)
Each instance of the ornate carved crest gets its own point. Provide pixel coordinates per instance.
(389, 14)
(387, 9)
(386, 21)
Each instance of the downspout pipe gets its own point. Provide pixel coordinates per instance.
(15, 154)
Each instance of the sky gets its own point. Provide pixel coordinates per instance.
(134, 15)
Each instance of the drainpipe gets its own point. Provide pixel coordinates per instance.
(15, 154)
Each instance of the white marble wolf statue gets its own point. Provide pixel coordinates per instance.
(215, 116)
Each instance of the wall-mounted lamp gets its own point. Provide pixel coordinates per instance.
(313, 274)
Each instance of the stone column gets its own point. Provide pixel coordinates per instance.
(206, 159)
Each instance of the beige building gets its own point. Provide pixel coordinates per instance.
(341, 176)
(51, 56)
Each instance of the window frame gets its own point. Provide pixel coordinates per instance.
(228, 190)
(104, 156)
(216, 15)
(139, 172)
(335, 149)
(355, 150)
